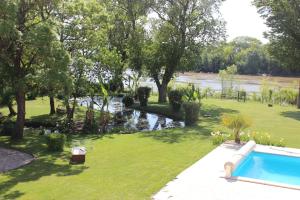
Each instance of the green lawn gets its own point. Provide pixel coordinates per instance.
(279, 121)
(130, 166)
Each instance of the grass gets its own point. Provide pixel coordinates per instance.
(278, 121)
(38, 111)
(130, 166)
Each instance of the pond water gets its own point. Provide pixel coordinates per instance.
(131, 119)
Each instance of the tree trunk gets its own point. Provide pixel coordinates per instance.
(19, 127)
(12, 112)
(162, 93)
(237, 138)
(71, 110)
(52, 105)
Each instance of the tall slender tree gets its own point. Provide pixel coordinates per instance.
(82, 30)
(182, 27)
(283, 18)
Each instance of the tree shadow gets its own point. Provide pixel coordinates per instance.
(213, 113)
(45, 164)
(291, 114)
(177, 135)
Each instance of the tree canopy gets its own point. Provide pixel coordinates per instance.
(283, 18)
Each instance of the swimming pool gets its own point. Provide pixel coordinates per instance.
(270, 167)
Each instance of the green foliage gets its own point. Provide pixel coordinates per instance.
(218, 137)
(248, 54)
(143, 95)
(191, 113)
(192, 94)
(236, 123)
(262, 138)
(282, 17)
(175, 99)
(55, 141)
(169, 48)
(8, 128)
(128, 101)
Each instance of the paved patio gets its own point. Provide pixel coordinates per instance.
(203, 181)
(12, 159)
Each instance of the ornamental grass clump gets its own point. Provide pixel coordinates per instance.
(191, 113)
(175, 99)
(143, 95)
(237, 123)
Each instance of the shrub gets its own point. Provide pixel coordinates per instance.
(265, 139)
(128, 101)
(192, 94)
(90, 124)
(175, 99)
(55, 141)
(191, 113)
(8, 128)
(236, 123)
(143, 95)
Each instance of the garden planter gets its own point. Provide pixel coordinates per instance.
(78, 155)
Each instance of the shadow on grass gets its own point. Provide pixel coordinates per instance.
(46, 164)
(177, 135)
(291, 114)
(212, 113)
(201, 130)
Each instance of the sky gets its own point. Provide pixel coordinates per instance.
(243, 20)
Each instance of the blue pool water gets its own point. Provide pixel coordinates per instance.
(270, 167)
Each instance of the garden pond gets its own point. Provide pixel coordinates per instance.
(131, 119)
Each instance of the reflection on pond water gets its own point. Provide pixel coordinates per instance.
(131, 119)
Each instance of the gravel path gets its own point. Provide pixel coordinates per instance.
(12, 159)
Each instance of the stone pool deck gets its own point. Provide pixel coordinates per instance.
(203, 181)
(12, 159)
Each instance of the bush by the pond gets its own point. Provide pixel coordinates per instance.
(143, 95)
(8, 128)
(191, 113)
(90, 125)
(128, 101)
(55, 141)
(175, 99)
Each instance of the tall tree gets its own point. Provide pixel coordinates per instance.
(83, 31)
(26, 34)
(127, 33)
(182, 28)
(52, 80)
(283, 19)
